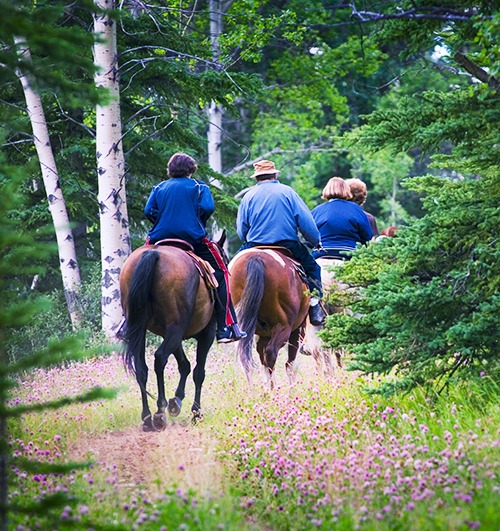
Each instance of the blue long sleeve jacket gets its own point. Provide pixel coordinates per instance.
(179, 208)
(271, 212)
(342, 224)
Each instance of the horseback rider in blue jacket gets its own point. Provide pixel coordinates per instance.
(272, 213)
(180, 208)
(342, 223)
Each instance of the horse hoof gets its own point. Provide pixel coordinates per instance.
(147, 424)
(174, 407)
(197, 416)
(159, 421)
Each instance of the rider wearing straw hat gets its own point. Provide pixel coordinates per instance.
(272, 213)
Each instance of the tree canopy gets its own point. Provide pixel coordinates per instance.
(384, 91)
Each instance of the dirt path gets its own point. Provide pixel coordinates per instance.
(183, 455)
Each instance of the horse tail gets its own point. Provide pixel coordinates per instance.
(248, 307)
(139, 312)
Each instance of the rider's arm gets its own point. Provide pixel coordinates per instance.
(151, 208)
(364, 227)
(305, 223)
(206, 205)
(242, 226)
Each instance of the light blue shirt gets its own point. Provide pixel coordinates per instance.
(270, 212)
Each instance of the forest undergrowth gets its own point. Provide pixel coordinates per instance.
(318, 455)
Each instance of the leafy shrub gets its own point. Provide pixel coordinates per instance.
(429, 306)
(23, 255)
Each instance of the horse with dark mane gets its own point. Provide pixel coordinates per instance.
(163, 290)
(271, 300)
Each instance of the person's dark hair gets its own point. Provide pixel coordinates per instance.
(266, 177)
(358, 190)
(181, 165)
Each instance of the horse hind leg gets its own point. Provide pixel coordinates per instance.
(339, 354)
(266, 361)
(293, 347)
(268, 350)
(175, 403)
(204, 342)
(159, 419)
(142, 378)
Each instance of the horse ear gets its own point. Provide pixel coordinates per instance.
(222, 239)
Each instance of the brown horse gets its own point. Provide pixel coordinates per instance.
(162, 291)
(272, 301)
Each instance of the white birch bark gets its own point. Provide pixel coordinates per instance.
(68, 263)
(115, 238)
(214, 134)
(214, 137)
(214, 112)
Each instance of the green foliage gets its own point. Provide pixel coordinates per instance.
(488, 40)
(429, 301)
(22, 254)
(53, 44)
(383, 171)
(52, 323)
(464, 117)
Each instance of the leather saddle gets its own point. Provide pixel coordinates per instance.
(204, 268)
(288, 254)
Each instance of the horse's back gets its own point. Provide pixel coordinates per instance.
(178, 294)
(278, 268)
(284, 295)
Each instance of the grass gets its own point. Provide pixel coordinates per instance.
(318, 455)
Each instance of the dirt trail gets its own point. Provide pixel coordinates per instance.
(182, 455)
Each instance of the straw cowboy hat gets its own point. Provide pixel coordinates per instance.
(264, 167)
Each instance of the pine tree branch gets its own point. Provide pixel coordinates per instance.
(274, 151)
(445, 14)
(476, 71)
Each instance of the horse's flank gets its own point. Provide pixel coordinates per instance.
(272, 302)
(167, 299)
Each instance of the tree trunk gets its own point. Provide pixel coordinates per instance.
(214, 137)
(68, 263)
(214, 112)
(115, 239)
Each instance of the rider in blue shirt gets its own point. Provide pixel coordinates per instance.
(180, 208)
(342, 223)
(272, 213)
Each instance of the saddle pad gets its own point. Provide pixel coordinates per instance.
(287, 254)
(205, 269)
(278, 248)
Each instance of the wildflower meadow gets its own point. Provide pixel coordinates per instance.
(319, 455)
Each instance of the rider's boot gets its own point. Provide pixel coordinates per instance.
(316, 315)
(230, 333)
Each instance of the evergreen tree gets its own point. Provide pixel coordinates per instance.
(24, 255)
(427, 301)
(429, 298)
